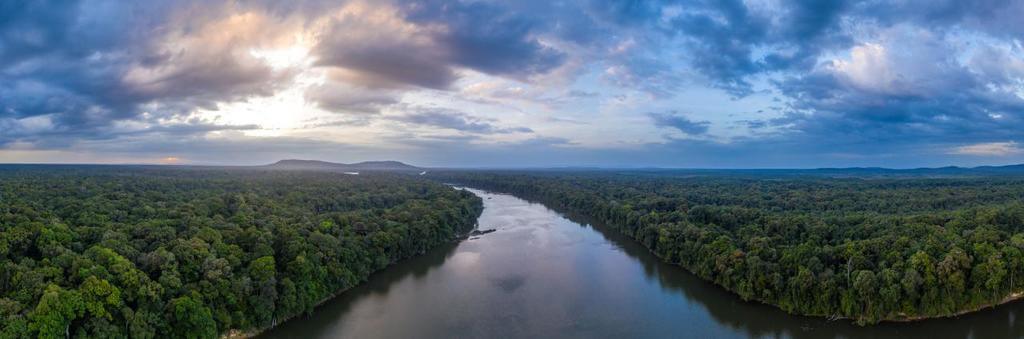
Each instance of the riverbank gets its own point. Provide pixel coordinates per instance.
(560, 205)
(463, 235)
(550, 274)
(1016, 296)
(238, 334)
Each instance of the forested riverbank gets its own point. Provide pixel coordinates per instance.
(864, 249)
(116, 251)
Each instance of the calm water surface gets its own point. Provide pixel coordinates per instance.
(542, 275)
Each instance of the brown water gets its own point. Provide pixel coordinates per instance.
(542, 275)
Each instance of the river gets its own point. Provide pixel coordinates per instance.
(542, 275)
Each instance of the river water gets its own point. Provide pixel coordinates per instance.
(541, 275)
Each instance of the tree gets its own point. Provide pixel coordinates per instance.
(126, 245)
(189, 318)
(904, 236)
(264, 275)
(865, 285)
(56, 309)
(99, 297)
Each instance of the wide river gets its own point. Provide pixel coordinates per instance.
(542, 275)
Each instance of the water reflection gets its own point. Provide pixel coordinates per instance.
(319, 325)
(760, 320)
(542, 275)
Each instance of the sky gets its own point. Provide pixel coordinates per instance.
(527, 83)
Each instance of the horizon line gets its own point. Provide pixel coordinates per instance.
(592, 167)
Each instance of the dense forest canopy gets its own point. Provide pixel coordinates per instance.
(869, 249)
(116, 252)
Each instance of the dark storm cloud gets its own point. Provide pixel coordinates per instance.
(449, 119)
(680, 122)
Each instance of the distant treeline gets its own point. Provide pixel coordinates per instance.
(118, 252)
(865, 249)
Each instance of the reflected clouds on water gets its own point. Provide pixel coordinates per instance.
(542, 274)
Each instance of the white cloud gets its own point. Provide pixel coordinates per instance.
(989, 149)
(901, 61)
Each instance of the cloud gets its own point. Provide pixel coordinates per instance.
(848, 81)
(208, 64)
(999, 65)
(426, 43)
(906, 87)
(342, 98)
(454, 120)
(513, 95)
(227, 149)
(999, 18)
(373, 45)
(68, 62)
(646, 73)
(753, 124)
(683, 124)
(41, 132)
(989, 149)
(486, 37)
(905, 62)
(731, 41)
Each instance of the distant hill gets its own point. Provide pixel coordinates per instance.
(317, 165)
(936, 171)
(851, 172)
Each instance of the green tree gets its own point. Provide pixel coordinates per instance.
(56, 310)
(189, 318)
(99, 297)
(264, 275)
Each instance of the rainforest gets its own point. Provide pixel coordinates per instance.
(204, 252)
(862, 248)
(146, 252)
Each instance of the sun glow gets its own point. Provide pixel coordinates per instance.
(287, 108)
(170, 160)
(295, 56)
